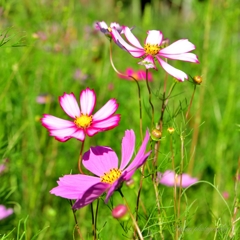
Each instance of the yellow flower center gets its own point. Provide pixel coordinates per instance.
(111, 176)
(151, 49)
(83, 121)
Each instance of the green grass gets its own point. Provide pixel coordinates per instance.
(31, 66)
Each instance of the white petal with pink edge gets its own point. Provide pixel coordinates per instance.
(131, 38)
(51, 122)
(69, 105)
(106, 111)
(188, 57)
(100, 160)
(128, 145)
(154, 37)
(74, 186)
(63, 134)
(106, 123)
(135, 52)
(87, 101)
(178, 47)
(79, 134)
(176, 73)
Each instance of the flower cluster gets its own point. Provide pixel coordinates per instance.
(106, 173)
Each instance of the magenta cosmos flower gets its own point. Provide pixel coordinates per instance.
(170, 178)
(154, 49)
(5, 212)
(139, 75)
(83, 120)
(102, 162)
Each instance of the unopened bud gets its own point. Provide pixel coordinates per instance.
(197, 80)
(120, 212)
(156, 134)
(171, 130)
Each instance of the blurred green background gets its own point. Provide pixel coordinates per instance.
(51, 47)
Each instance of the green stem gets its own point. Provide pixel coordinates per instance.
(190, 104)
(93, 222)
(80, 158)
(76, 222)
(96, 215)
(139, 90)
(150, 98)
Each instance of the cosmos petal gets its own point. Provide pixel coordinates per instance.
(100, 160)
(69, 105)
(187, 57)
(128, 145)
(154, 37)
(87, 101)
(74, 186)
(178, 47)
(135, 52)
(91, 194)
(106, 111)
(176, 73)
(131, 38)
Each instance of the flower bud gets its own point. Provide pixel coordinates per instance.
(156, 134)
(197, 80)
(171, 130)
(120, 212)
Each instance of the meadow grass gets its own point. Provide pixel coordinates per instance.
(45, 42)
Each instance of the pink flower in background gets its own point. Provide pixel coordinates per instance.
(44, 98)
(225, 194)
(84, 121)
(80, 76)
(103, 162)
(138, 75)
(154, 49)
(170, 178)
(2, 167)
(5, 212)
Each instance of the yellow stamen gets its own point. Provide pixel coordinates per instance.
(151, 49)
(111, 176)
(83, 121)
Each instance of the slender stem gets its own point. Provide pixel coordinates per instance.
(190, 104)
(131, 215)
(175, 184)
(139, 90)
(80, 158)
(180, 184)
(96, 215)
(93, 222)
(75, 219)
(150, 98)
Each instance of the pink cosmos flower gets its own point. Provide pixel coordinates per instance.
(170, 178)
(138, 75)
(102, 162)
(154, 49)
(4, 212)
(84, 121)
